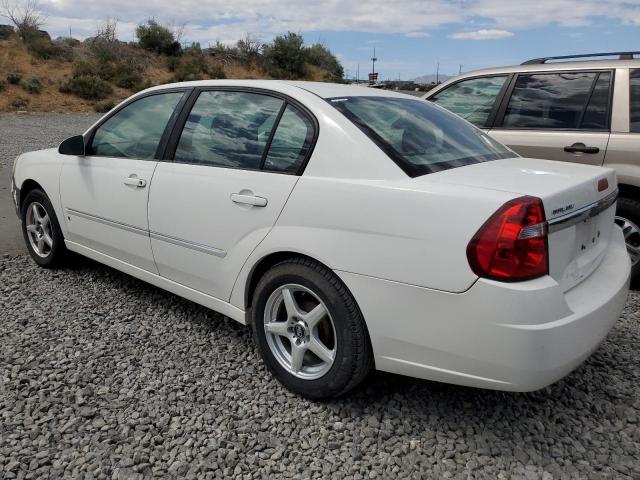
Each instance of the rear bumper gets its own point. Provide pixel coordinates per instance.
(518, 337)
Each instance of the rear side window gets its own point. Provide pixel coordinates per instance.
(291, 142)
(135, 130)
(635, 101)
(472, 99)
(228, 129)
(421, 138)
(574, 100)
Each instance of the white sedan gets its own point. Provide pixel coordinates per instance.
(352, 228)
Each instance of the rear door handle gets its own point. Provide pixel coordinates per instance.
(249, 200)
(581, 148)
(134, 181)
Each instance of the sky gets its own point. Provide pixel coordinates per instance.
(411, 37)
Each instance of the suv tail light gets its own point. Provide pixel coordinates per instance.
(512, 245)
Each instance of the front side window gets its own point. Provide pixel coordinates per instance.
(421, 138)
(135, 131)
(228, 129)
(634, 123)
(472, 99)
(574, 100)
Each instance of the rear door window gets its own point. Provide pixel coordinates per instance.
(561, 101)
(472, 99)
(635, 101)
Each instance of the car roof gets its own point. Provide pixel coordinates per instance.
(555, 66)
(321, 89)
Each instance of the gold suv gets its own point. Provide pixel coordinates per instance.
(563, 108)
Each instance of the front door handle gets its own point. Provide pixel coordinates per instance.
(248, 199)
(581, 148)
(134, 181)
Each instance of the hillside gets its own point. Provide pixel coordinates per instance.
(67, 75)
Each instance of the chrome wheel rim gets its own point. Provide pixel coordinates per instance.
(631, 234)
(300, 331)
(38, 225)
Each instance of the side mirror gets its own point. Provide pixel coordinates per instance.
(72, 146)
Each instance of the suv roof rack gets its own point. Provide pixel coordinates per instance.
(621, 56)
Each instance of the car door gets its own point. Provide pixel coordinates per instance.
(475, 99)
(557, 115)
(237, 156)
(105, 193)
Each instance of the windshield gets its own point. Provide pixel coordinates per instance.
(420, 137)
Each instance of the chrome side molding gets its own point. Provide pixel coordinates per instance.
(199, 247)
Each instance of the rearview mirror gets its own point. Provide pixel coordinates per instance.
(72, 146)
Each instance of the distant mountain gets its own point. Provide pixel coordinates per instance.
(431, 78)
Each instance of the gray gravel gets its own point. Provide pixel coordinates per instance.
(103, 376)
(20, 133)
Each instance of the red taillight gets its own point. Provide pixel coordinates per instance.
(512, 244)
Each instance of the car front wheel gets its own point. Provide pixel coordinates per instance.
(41, 230)
(309, 330)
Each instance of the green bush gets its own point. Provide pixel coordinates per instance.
(194, 66)
(126, 75)
(320, 56)
(157, 38)
(44, 48)
(32, 85)
(89, 87)
(216, 72)
(104, 107)
(3, 85)
(19, 103)
(285, 57)
(14, 78)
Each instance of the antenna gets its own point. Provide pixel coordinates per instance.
(460, 69)
(437, 73)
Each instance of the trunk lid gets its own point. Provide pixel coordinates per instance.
(577, 206)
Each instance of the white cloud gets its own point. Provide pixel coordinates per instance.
(417, 34)
(228, 21)
(483, 34)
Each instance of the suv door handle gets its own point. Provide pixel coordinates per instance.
(581, 148)
(249, 200)
(135, 181)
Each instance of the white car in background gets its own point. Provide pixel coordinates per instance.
(352, 228)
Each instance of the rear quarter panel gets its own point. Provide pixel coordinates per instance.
(395, 230)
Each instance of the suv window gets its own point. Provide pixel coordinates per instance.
(634, 123)
(228, 129)
(291, 142)
(472, 99)
(136, 130)
(559, 101)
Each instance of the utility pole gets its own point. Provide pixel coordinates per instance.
(373, 61)
(358, 74)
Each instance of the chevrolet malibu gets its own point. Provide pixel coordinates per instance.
(352, 228)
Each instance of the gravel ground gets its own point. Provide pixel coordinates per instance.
(21, 133)
(103, 376)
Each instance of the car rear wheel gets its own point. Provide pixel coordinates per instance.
(628, 218)
(309, 330)
(41, 230)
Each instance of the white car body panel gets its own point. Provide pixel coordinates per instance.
(94, 187)
(398, 243)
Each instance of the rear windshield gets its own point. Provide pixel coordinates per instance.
(420, 137)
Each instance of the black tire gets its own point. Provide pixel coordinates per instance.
(629, 209)
(54, 255)
(353, 358)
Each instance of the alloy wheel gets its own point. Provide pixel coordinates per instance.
(39, 232)
(631, 234)
(300, 331)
